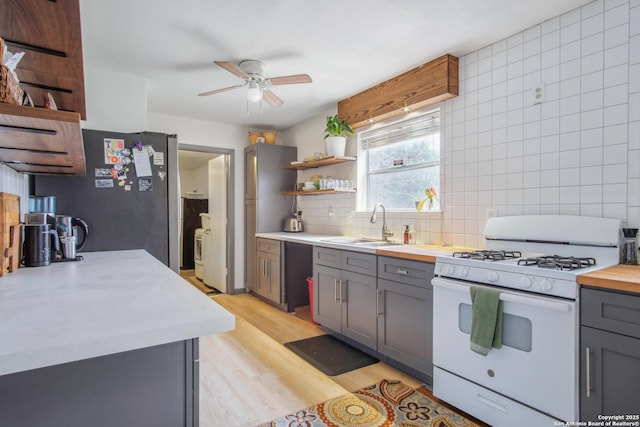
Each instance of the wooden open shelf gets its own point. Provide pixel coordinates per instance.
(40, 141)
(319, 163)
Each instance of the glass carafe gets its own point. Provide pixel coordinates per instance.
(629, 252)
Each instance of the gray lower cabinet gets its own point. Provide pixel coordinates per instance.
(382, 302)
(610, 354)
(268, 268)
(149, 387)
(405, 312)
(345, 293)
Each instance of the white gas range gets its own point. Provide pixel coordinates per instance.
(533, 261)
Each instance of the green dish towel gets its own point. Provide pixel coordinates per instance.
(486, 319)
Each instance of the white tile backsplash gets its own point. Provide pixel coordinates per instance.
(15, 183)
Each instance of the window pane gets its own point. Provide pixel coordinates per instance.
(402, 188)
(407, 153)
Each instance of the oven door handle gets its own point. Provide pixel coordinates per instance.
(509, 297)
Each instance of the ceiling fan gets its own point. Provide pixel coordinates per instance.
(253, 73)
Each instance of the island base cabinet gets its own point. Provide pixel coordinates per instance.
(405, 324)
(155, 387)
(610, 377)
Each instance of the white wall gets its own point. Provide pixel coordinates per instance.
(116, 102)
(576, 153)
(195, 181)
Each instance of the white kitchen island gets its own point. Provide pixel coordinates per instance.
(110, 340)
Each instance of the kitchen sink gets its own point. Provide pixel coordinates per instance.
(378, 243)
(360, 242)
(348, 240)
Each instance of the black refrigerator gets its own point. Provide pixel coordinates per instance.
(129, 195)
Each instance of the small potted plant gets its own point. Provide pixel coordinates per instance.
(336, 138)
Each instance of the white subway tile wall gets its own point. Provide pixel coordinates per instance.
(575, 152)
(14, 183)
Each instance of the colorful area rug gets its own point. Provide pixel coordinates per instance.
(389, 403)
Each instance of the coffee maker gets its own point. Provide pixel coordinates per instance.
(70, 239)
(68, 234)
(37, 250)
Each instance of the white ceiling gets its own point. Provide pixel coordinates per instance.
(344, 45)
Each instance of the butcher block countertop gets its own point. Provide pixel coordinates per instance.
(426, 253)
(619, 277)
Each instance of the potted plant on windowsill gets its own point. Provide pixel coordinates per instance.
(336, 138)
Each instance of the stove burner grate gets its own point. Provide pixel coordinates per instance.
(557, 262)
(488, 255)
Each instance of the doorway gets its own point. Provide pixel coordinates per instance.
(206, 183)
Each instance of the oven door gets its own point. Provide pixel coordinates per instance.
(197, 247)
(536, 365)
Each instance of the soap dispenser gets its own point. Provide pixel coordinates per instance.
(629, 252)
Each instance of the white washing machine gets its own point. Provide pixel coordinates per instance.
(198, 252)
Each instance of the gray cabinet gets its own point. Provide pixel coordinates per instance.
(345, 293)
(268, 268)
(149, 387)
(610, 354)
(265, 206)
(405, 312)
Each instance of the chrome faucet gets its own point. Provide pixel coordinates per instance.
(385, 231)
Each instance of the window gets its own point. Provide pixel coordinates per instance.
(400, 161)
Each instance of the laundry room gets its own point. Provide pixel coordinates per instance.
(203, 218)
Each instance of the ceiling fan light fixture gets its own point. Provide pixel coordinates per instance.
(254, 93)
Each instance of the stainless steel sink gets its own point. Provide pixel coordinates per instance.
(359, 242)
(348, 240)
(378, 243)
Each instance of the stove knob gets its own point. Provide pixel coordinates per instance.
(525, 282)
(545, 285)
(464, 271)
(448, 270)
(492, 276)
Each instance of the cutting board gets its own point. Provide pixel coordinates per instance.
(9, 217)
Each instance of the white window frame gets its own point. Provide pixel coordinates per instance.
(362, 180)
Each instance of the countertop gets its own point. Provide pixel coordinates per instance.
(426, 253)
(108, 303)
(619, 277)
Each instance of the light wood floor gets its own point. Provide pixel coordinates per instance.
(248, 377)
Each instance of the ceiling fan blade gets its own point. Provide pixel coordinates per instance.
(290, 80)
(224, 89)
(271, 98)
(232, 69)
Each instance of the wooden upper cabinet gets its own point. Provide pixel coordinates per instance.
(49, 33)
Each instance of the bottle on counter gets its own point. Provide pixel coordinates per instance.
(412, 235)
(406, 235)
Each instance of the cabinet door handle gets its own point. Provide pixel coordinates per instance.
(379, 295)
(335, 290)
(343, 293)
(402, 271)
(588, 371)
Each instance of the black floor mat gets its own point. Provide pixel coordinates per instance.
(330, 355)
